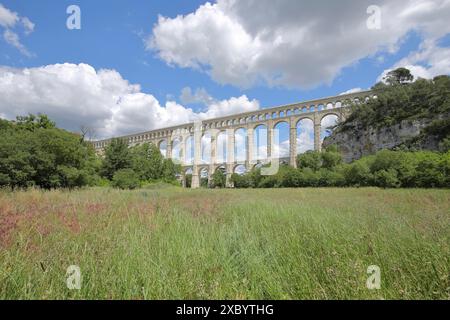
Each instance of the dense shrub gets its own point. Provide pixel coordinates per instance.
(145, 160)
(310, 159)
(218, 179)
(386, 169)
(358, 174)
(126, 179)
(430, 170)
(204, 182)
(241, 181)
(33, 152)
(117, 157)
(386, 179)
(290, 178)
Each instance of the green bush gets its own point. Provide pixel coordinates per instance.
(33, 152)
(126, 179)
(331, 178)
(290, 178)
(117, 157)
(218, 179)
(430, 170)
(387, 179)
(310, 159)
(269, 182)
(358, 174)
(241, 181)
(331, 158)
(386, 169)
(204, 182)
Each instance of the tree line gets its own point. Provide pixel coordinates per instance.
(386, 169)
(34, 152)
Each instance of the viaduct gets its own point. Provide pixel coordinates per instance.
(184, 143)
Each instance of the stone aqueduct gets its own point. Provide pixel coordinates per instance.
(314, 110)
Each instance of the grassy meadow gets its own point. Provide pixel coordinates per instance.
(172, 243)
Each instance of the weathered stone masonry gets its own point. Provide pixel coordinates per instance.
(314, 110)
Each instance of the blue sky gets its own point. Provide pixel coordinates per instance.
(165, 57)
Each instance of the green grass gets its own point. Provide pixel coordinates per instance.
(225, 244)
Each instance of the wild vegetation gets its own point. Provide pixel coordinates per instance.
(173, 243)
(386, 169)
(33, 152)
(399, 99)
(164, 242)
(128, 168)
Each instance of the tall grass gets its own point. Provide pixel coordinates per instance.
(225, 244)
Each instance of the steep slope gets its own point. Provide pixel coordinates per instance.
(412, 116)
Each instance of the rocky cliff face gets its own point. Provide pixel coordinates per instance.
(358, 142)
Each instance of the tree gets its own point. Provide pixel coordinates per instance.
(310, 159)
(125, 179)
(117, 157)
(150, 165)
(387, 179)
(289, 177)
(331, 158)
(34, 152)
(147, 162)
(430, 171)
(33, 122)
(398, 76)
(218, 179)
(241, 181)
(170, 170)
(358, 174)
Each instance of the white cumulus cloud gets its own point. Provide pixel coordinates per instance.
(429, 61)
(290, 43)
(75, 95)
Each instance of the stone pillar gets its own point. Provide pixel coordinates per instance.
(293, 142)
(250, 144)
(169, 147)
(269, 139)
(212, 164)
(182, 147)
(197, 155)
(317, 128)
(230, 157)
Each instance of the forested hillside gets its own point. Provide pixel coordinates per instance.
(407, 115)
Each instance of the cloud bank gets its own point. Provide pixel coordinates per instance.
(76, 95)
(292, 43)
